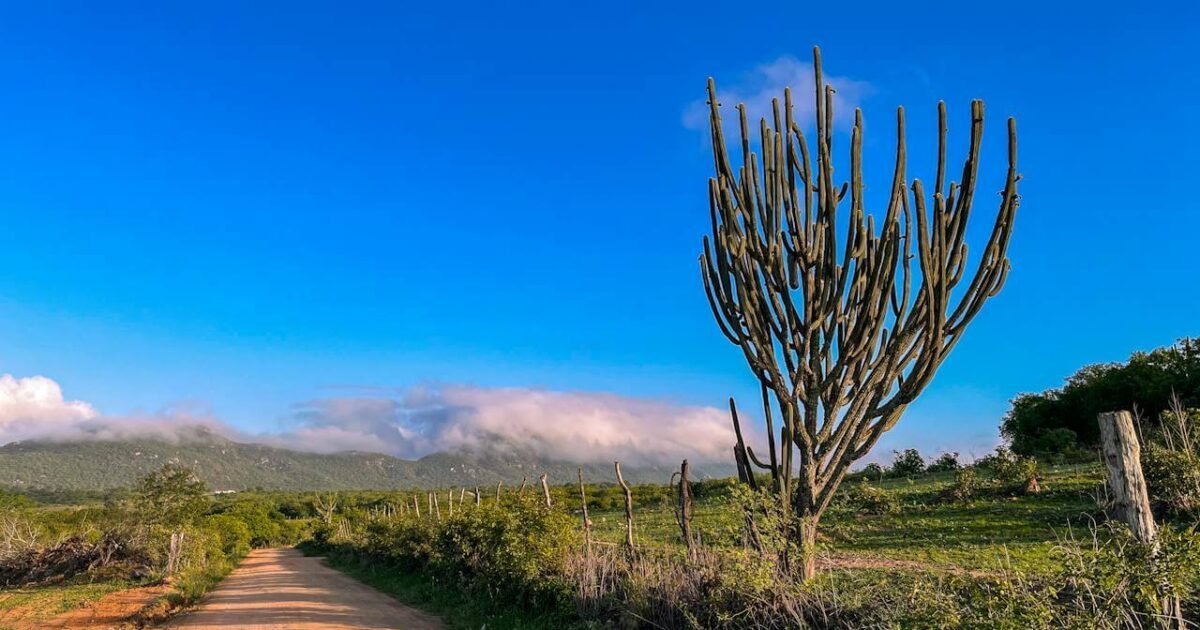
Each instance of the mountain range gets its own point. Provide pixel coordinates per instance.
(228, 465)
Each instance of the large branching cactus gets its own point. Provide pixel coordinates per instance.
(841, 328)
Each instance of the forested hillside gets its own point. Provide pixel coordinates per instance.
(227, 465)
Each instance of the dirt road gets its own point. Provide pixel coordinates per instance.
(280, 588)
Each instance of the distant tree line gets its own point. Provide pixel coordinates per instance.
(1061, 422)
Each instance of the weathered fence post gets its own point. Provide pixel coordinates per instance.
(685, 509)
(417, 506)
(498, 485)
(1122, 456)
(478, 497)
(587, 523)
(546, 491)
(1131, 499)
(521, 490)
(174, 552)
(450, 502)
(628, 507)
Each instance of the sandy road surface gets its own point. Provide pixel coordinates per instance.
(280, 588)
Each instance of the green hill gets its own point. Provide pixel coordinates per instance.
(227, 465)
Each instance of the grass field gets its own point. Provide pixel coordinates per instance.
(976, 560)
(993, 532)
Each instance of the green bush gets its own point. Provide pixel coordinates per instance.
(966, 484)
(231, 532)
(1015, 472)
(946, 462)
(907, 463)
(867, 499)
(873, 471)
(513, 553)
(1173, 478)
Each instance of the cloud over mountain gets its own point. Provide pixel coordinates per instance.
(572, 426)
(410, 423)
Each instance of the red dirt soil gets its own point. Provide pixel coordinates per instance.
(114, 610)
(280, 588)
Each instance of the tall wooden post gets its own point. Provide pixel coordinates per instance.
(628, 507)
(1131, 499)
(1123, 457)
(587, 522)
(685, 509)
(546, 490)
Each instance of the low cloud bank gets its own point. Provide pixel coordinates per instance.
(571, 426)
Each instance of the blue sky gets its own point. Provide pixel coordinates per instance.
(245, 207)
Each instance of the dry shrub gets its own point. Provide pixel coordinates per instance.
(114, 551)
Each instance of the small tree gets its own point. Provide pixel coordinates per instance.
(946, 462)
(839, 337)
(873, 471)
(907, 463)
(171, 496)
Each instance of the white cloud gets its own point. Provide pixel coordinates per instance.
(573, 426)
(35, 405)
(582, 427)
(767, 81)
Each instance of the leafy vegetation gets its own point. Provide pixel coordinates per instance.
(1060, 423)
(958, 549)
(167, 527)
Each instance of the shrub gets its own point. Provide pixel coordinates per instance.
(232, 534)
(945, 462)
(966, 483)
(1114, 581)
(513, 553)
(1015, 472)
(867, 499)
(907, 463)
(1173, 477)
(873, 471)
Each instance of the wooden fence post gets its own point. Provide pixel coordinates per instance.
(1131, 499)
(628, 507)
(1122, 457)
(685, 509)
(587, 523)
(546, 491)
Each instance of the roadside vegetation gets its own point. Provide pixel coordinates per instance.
(167, 535)
(968, 547)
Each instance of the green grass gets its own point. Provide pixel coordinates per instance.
(458, 609)
(994, 532)
(38, 603)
